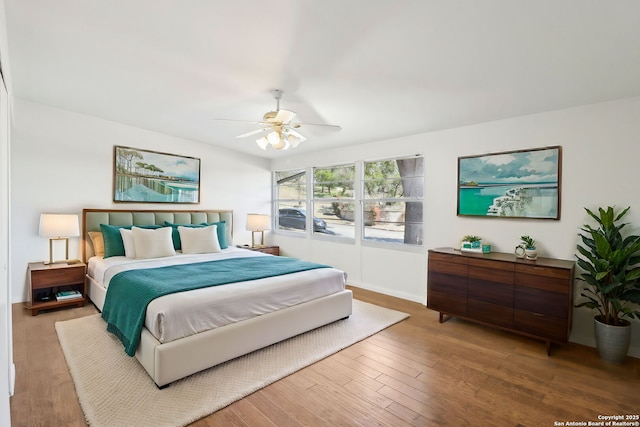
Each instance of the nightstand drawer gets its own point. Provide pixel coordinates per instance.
(272, 250)
(57, 277)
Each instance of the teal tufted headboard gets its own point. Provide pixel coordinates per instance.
(92, 218)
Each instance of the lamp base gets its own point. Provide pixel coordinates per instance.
(66, 251)
(253, 240)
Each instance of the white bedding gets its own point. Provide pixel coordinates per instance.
(182, 314)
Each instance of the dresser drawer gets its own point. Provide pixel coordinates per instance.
(447, 283)
(490, 313)
(487, 291)
(447, 303)
(545, 278)
(541, 302)
(549, 327)
(456, 259)
(448, 267)
(541, 270)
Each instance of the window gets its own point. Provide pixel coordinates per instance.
(392, 201)
(290, 200)
(333, 201)
(384, 205)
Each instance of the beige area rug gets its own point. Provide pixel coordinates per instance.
(114, 390)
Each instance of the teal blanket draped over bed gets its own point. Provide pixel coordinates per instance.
(130, 292)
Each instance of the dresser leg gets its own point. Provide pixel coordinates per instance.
(442, 317)
(548, 348)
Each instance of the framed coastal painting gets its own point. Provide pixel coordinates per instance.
(142, 176)
(514, 184)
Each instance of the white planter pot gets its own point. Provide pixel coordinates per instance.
(530, 254)
(612, 341)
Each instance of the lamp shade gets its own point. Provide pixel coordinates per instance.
(59, 225)
(258, 222)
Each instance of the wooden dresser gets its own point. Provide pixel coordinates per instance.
(532, 298)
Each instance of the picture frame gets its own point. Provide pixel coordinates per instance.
(511, 184)
(144, 176)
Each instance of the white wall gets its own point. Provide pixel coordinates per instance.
(62, 162)
(600, 148)
(7, 368)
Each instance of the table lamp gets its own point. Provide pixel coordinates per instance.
(258, 223)
(58, 227)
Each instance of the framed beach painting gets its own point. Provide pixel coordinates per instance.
(514, 184)
(142, 176)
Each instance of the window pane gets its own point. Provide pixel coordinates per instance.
(386, 222)
(292, 216)
(333, 182)
(393, 192)
(335, 218)
(291, 185)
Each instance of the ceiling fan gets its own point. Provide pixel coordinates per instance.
(278, 129)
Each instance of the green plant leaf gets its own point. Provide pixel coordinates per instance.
(611, 265)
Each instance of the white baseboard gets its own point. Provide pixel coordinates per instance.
(386, 291)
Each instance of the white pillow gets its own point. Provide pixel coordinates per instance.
(153, 243)
(129, 245)
(199, 240)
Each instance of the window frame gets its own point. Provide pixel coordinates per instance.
(276, 200)
(358, 200)
(410, 247)
(353, 200)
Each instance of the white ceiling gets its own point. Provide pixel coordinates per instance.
(378, 68)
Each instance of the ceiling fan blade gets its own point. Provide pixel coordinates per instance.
(253, 132)
(284, 116)
(332, 127)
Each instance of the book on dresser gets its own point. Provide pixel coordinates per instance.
(67, 295)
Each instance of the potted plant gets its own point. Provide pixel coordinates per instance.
(471, 243)
(529, 245)
(611, 272)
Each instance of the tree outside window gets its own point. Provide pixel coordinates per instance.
(393, 201)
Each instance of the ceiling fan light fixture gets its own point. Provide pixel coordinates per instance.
(294, 143)
(279, 128)
(262, 143)
(282, 144)
(273, 138)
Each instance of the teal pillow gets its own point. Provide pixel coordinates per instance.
(222, 233)
(113, 245)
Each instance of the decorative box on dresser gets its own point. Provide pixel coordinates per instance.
(532, 298)
(45, 280)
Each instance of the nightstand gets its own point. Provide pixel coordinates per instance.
(47, 279)
(273, 250)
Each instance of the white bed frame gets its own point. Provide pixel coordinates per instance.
(177, 359)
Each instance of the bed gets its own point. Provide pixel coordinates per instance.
(281, 307)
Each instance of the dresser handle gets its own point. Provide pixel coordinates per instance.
(538, 314)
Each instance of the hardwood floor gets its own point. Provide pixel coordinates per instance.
(417, 372)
